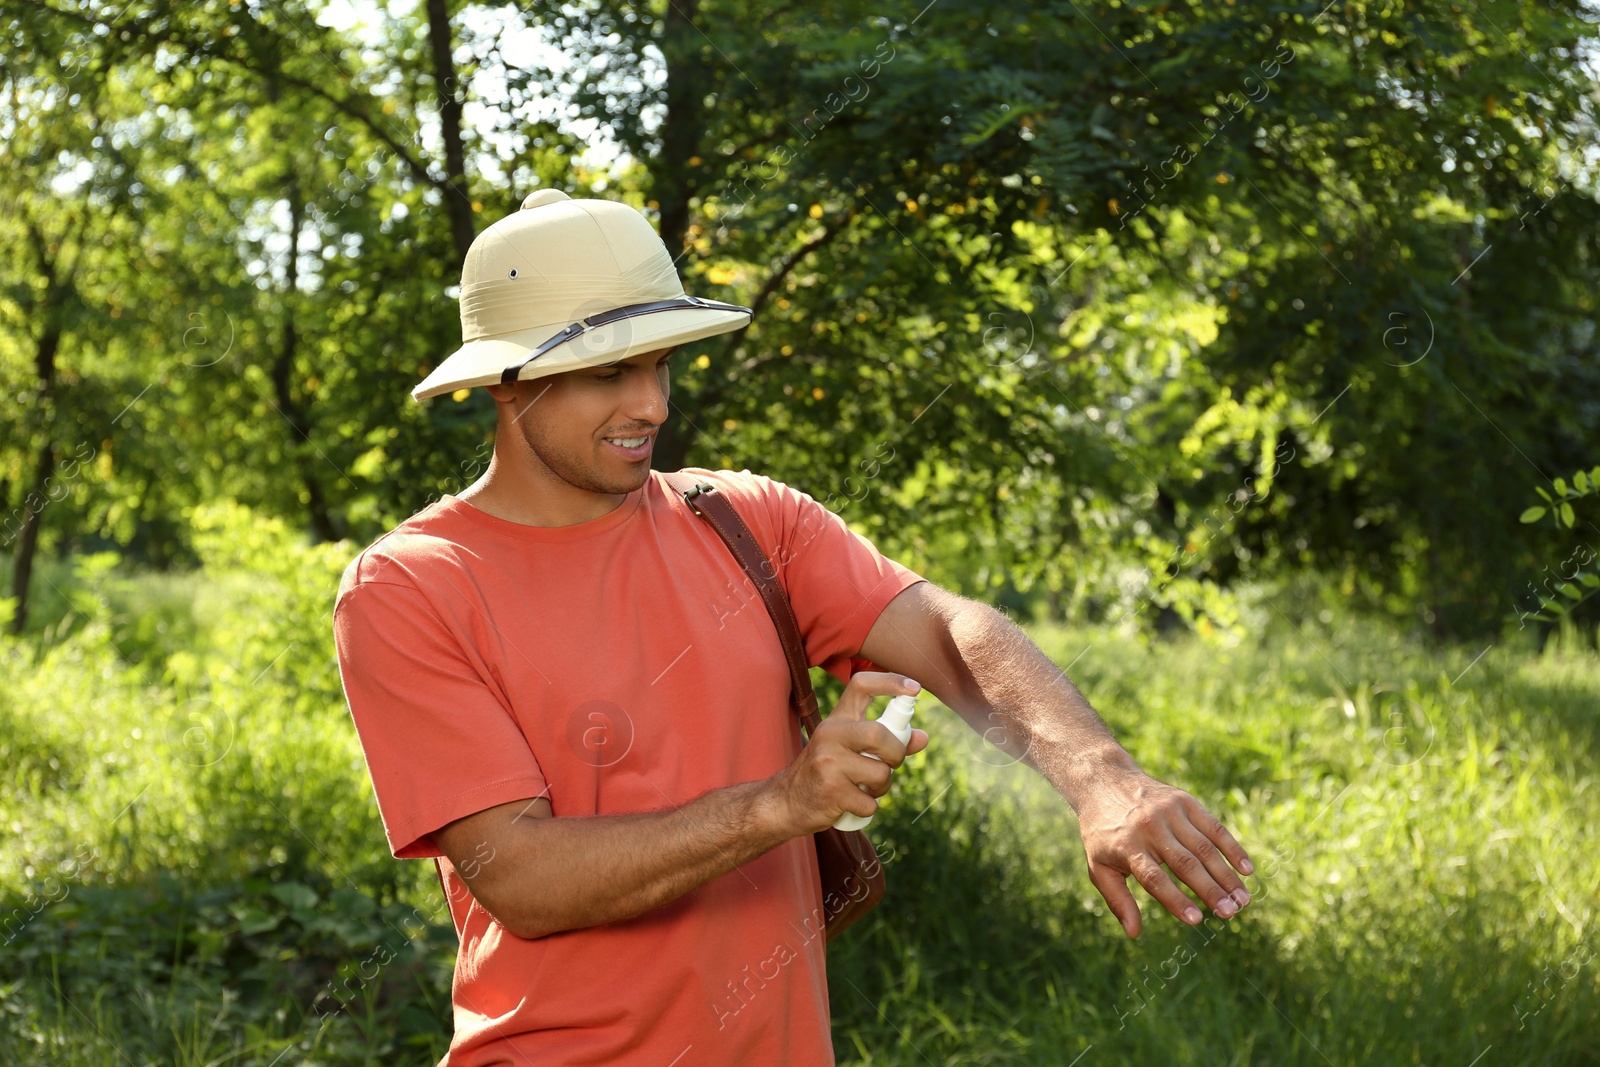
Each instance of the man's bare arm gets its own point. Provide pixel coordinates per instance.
(538, 874)
(589, 870)
(982, 666)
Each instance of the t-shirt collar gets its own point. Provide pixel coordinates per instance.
(579, 531)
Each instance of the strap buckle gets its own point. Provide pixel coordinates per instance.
(694, 491)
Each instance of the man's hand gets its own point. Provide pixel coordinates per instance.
(831, 776)
(1133, 824)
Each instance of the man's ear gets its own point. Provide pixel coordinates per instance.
(528, 390)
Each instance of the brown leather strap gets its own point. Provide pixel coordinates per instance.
(705, 501)
(850, 873)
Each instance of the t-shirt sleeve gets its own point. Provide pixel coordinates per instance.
(439, 744)
(837, 580)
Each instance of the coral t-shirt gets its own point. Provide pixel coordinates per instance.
(624, 664)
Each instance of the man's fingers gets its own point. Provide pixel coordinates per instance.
(1215, 862)
(1199, 865)
(867, 736)
(864, 685)
(1114, 887)
(1212, 827)
(1147, 869)
(917, 742)
(871, 776)
(857, 801)
(877, 739)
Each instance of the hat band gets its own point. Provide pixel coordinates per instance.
(604, 318)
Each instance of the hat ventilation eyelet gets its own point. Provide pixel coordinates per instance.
(513, 272)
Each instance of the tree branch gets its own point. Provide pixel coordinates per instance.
(829, 232)
(345, 105)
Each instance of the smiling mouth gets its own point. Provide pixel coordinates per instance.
(629, 442)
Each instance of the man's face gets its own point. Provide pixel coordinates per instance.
(580, 425)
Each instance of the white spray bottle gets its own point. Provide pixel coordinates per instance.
(897, 719)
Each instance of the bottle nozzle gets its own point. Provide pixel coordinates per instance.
(897, 716)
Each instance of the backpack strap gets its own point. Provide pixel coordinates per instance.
(717, 510)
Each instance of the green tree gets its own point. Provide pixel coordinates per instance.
(1044, 294)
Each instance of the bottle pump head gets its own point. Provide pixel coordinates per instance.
(897, 716)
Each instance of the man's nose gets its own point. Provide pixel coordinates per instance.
(648, 402)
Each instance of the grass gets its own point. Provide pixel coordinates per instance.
(1425, 889)
(193, 871)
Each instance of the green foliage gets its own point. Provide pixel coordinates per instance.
(1032, 332)
(192, 824)
(1572, 586)
(1402, 811)
(184, 974)
(194, 870)
(208, 735)
(1214, 316)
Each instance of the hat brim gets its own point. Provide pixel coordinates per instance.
(484, 361)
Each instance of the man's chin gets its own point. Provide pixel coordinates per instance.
(623, 482)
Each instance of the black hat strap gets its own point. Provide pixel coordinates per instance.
(627, 311)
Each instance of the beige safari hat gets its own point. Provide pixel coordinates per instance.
(564, 284)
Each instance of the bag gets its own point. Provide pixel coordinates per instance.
(851, 873)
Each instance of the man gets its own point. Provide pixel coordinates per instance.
(569, 697)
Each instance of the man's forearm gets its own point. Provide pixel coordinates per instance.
(577, 871)
(1009, 691)
(974, 660)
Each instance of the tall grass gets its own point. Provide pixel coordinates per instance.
(193, 871)
(1424, 838)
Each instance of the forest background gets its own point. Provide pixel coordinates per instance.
(1211, 335)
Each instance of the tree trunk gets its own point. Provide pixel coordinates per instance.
(672, 443)
(322, 525)
(37, 496)
(58, 287)
(1055, 605)
(682, 130)
(683, 127)
(457, 201)
(28, 538)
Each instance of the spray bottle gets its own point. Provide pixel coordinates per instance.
(897, 719)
